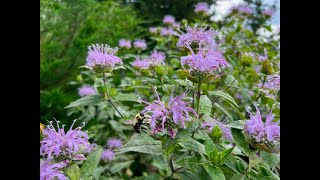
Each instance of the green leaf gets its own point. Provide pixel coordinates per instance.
(168, 148)
(86, 101)
(240, 140)
(270, 159)
(189, 175)
(191, 145)
(143, 144)
(238, 177)
(73, 172)
(153, 176)
(223, 95)
(223, 110)
(189, 162)
(238, 124)
(88, 167)
(126, 97)
(209, 145)
(161, 70)
(205, 105)
(240, 166)
(226, 152)
(119, 166)
(215, 172)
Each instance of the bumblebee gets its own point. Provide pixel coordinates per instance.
(139, 122)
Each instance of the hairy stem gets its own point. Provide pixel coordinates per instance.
(107, 94)
(227, 87)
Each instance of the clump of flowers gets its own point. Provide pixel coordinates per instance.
(202, 8)
(197, 35)
(268, 13)
(108, 154)
(204, 62)
(165, 116)
(226, 131)
(101, 58)
(87, 90)
(153, 30)
(166, 32)
(265, 135)
(140, 44)
(58, 143)
(123, 43)
(141, 64)
(168, 20)
(51, 170)
(157, 58)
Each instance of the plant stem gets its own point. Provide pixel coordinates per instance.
(227, 87)
(263, 82)
(171, 166)
(198, 99)
(108, 94)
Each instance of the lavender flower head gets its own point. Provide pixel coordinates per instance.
(168, 20)
(274, 80)
(57, 142)
(87, 90)
(153, 30)
(140, 44)
(101, 57)
(141, 64)
(259, 132)
(202, 8)
(114, 143)
(166, 32)
(226, 131)
(176, 111)
(157, 58)
(204, 61)
(197, 35)
(123, 43)
(107, 155)
(268, 13)
(50, 170)
(245, 10)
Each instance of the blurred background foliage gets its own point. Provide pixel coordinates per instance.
(67, 27)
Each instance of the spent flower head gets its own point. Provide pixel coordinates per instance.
(268, 13)
(153, 30)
